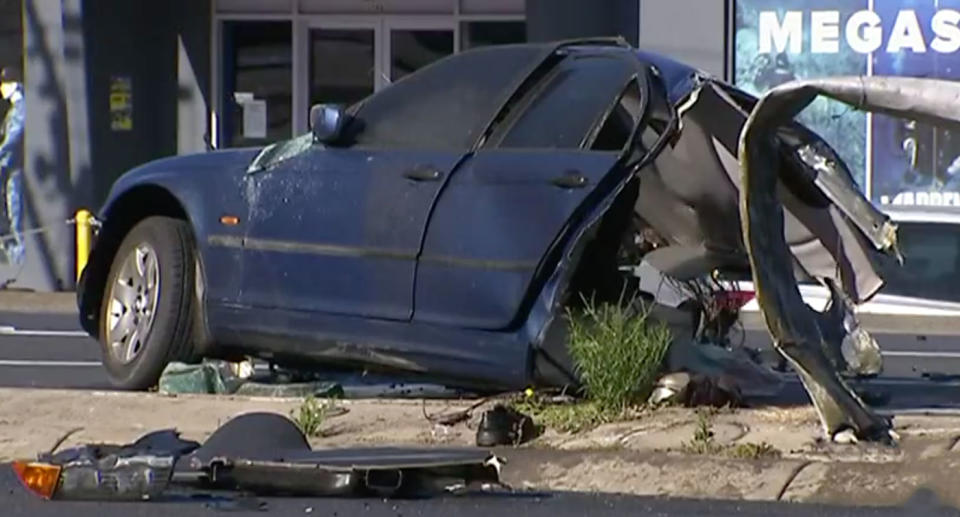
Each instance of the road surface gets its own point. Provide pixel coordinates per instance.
(50, 351)
(17, 503)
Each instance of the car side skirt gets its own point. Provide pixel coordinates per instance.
(466, 358)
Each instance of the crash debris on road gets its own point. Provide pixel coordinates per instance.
(256, 453)
(218, 377)
(757, 454)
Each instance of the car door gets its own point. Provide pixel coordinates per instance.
(337, 229)
(506, 206)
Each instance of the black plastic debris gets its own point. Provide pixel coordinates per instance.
(694, 390)
(504, 425)
(264, 454)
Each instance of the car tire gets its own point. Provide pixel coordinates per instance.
(145, 316)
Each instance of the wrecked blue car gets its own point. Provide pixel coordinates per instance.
(441, 226)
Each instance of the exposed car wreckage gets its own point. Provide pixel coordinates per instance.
(820, 344)
(459, 271)
(263, 454)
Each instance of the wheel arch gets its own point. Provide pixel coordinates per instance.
(120, 215)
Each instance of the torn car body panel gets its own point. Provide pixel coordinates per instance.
(810, 340)
(692, 194)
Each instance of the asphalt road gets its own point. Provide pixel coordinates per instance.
(50, 351)
(16, 502)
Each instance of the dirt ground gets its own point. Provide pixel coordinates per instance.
(645, 456)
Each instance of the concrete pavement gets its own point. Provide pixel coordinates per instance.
(645, 456)
(17, 503)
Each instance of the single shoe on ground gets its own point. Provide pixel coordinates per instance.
(503, 425)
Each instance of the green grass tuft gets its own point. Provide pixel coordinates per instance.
(311, 415)
(568, 418)
(703, 443)
(618, 352)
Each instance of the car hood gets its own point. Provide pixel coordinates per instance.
(223, 160)
(176, 169)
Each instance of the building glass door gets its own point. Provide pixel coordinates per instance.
(343, 64)
(350, 59)
(272, 69)
(414, 44)
(257, 89)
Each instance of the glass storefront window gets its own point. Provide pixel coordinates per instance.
(411, 50)
(482, 34)
(342, 65)
(258, 89)
(265, 97)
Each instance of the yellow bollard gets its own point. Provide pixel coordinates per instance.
(84, 236)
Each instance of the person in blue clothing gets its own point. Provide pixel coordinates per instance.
(11, 163)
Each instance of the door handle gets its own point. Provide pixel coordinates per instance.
(570, 179)
(423, 174)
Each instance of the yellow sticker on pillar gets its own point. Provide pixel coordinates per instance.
(121, 104)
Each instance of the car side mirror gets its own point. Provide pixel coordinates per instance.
(326, 122)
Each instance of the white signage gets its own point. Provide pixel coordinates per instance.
(862, 31)
(255, 119)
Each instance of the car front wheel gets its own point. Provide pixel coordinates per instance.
(145, 319)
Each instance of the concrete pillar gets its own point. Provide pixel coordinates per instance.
(51, 34)
(691, 31)
(193, 75)
(75, 50)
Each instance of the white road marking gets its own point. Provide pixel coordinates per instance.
(943, 355)
(41, 362)
(7, 330)
(31, 362)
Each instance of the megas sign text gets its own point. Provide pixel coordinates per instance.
(863, 31)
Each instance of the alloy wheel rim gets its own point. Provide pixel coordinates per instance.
(133, 303)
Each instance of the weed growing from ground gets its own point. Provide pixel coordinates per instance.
(310, 416)
(703, 443)
(617, 351)
(568, 418)
(753, 451)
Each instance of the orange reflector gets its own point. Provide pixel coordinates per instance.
(230, 220)
(39, 478)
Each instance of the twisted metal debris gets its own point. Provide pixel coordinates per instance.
(817, 344)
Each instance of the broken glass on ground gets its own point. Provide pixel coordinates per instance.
(217, 377)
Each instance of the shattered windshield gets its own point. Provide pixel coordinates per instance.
(280, 151)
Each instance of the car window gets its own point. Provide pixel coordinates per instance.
(571, 103)
(446, 105)
(617, 128)
(931, 267)
(658, 115)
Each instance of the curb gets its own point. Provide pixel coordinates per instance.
(35, 302)
(709, 477)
